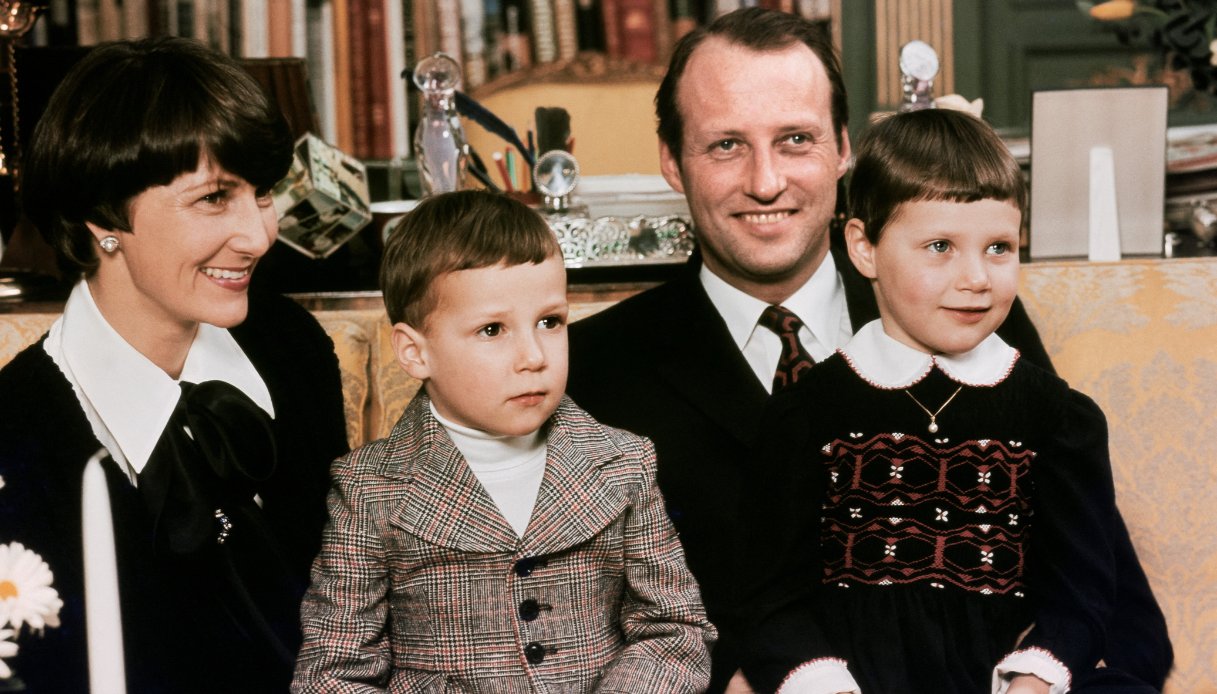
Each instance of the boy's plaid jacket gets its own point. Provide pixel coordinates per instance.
(422, 586)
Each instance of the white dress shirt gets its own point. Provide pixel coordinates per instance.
(819, 303)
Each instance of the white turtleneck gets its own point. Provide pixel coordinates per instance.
(509, 467)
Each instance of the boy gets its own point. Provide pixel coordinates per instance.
(499, 539)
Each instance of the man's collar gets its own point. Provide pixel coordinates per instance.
(887, 363)
(815, 303)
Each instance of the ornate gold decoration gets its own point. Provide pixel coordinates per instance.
(16, 18)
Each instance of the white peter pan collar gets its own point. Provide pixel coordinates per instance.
(132, 397)
(887, 363)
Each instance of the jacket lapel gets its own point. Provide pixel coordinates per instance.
(698, 358)
(443, 502)
(575, 501)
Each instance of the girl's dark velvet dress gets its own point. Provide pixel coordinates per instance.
(182, 629)
(936, 550)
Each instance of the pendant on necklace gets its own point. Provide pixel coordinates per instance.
(933, 427)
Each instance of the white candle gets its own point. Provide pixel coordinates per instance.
(103, 614)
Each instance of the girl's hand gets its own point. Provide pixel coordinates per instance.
(1027, 684)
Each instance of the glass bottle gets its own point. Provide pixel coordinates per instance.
(439, 140)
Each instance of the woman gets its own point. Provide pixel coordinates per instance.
(220, 409)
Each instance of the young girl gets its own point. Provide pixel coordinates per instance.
(967, 497)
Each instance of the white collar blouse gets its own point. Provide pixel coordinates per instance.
(126, 398)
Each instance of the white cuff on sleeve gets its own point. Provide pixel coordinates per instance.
(1032, 661)
(820, 676)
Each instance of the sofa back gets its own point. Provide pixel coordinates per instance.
(1138, 336)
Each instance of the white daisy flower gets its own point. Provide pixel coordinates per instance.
(26, 595)
(8, 649)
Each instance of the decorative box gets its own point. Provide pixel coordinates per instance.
(324, 199)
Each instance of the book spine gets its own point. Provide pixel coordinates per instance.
(343, 116)
(379, 136)
(722, 7)
(109, 20)
(61, 23)
(200, 13)
(492, 29)
(279, 28)
(517, 53)
(236, 32)
(473, 19)
(361, 144)
(589, 22)
(170, 22)
(254, 34)
(683, 19)
(662, 29)
(449, 20)
(426, 29)
(544, 43)
(636, 24)
(220, 25)
(612, 28)
(134, 18)
(399, 117)
(321, 66)
(566, 29)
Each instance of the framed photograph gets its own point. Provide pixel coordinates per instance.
(1067, 125)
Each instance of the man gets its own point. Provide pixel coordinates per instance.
(752, 127)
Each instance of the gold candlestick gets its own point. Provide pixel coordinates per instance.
(16, 18)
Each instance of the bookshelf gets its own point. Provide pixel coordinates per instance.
(356, 50)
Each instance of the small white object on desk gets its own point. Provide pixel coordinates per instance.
(1104, 216)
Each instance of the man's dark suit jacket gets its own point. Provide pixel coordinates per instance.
(662, 364)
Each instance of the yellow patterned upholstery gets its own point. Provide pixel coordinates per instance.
(19, 330)
(350, 331)
(1139, 336)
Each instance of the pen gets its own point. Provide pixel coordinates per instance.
(511, 168)
(498, 161)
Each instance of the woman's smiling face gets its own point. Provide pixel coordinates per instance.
(190, 254)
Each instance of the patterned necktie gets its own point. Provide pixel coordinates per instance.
(795, 360)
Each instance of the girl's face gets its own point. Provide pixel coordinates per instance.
(945, 273)
(189, 257)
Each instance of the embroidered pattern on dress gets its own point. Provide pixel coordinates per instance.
(901, 510)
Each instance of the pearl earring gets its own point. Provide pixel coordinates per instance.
(109, 244)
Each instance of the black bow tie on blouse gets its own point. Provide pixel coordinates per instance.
(216, 447)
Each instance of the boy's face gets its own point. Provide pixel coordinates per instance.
(493, 350)
(944, 273)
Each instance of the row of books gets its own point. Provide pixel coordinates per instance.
(490, 37)
(357, 51)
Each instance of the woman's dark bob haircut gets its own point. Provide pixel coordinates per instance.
(137, 114)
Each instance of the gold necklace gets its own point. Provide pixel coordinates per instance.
(933, 428)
